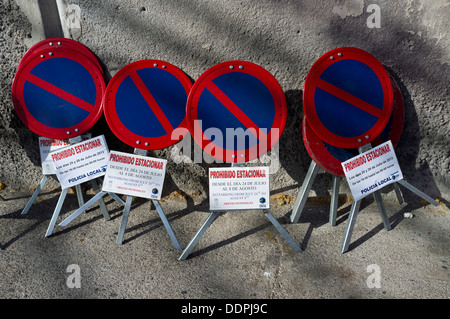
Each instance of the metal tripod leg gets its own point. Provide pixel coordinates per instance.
(212, 216)
(116, 198)
(334, 200)
(398, 193)
(304, 191)
(282, 231)
(384, 217)
(166, 224)
(35, 194)
(123, 224)
(418, 192)
(100, 201)
(350, 224)
(82, 209)
(352, 219)
(79, 195)
(56, 212)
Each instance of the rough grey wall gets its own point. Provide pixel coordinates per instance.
(285, 37)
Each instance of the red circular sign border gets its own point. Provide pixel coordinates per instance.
(270, 82)
(42, 129)
(317, 69)
(52, 44)
(320, 155)
(116, 126)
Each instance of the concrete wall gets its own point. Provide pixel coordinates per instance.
(286, 37)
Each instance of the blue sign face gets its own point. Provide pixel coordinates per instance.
(145, 102)
(236, 111)
(330, 157)
(336, 110)
(348, 98)
(250, 96)
(51, 109)
(58, 95)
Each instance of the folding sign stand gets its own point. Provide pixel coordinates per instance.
(39, 189)
(158, 207)
(355, 207)
(61, 202)
(126, 212)
(64, 193)
(63, 196)
(306, 187)
(214, 214)
(300, 202)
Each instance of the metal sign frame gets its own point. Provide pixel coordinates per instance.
(62, 197)
(377, 195)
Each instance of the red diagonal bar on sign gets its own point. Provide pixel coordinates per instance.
(347, 97)
(234, 109)
(151, 102)
(59, 92)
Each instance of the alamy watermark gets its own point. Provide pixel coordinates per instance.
(74, 279)
(374, 19)
(374, 279)
(216, 143)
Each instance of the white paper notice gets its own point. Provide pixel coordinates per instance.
(48, 145)
(372, 170)
(239, 188)
(135, 175)
(81, 162)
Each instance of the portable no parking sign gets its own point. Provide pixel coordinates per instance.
(145, 102)
(330, 158)
(58, 90)
(236, 111)
(347, 97)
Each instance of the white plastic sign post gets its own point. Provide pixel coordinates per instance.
(81, 162)
(372, 170)
(135, 175)
(239, 188)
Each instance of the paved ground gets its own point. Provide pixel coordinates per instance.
(240, 256)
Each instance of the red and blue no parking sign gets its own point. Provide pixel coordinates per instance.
(347, 97)
(145, 102)
(236, 111)
(329, 157)
(57, 91)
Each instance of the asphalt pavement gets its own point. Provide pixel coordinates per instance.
(241, 255)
